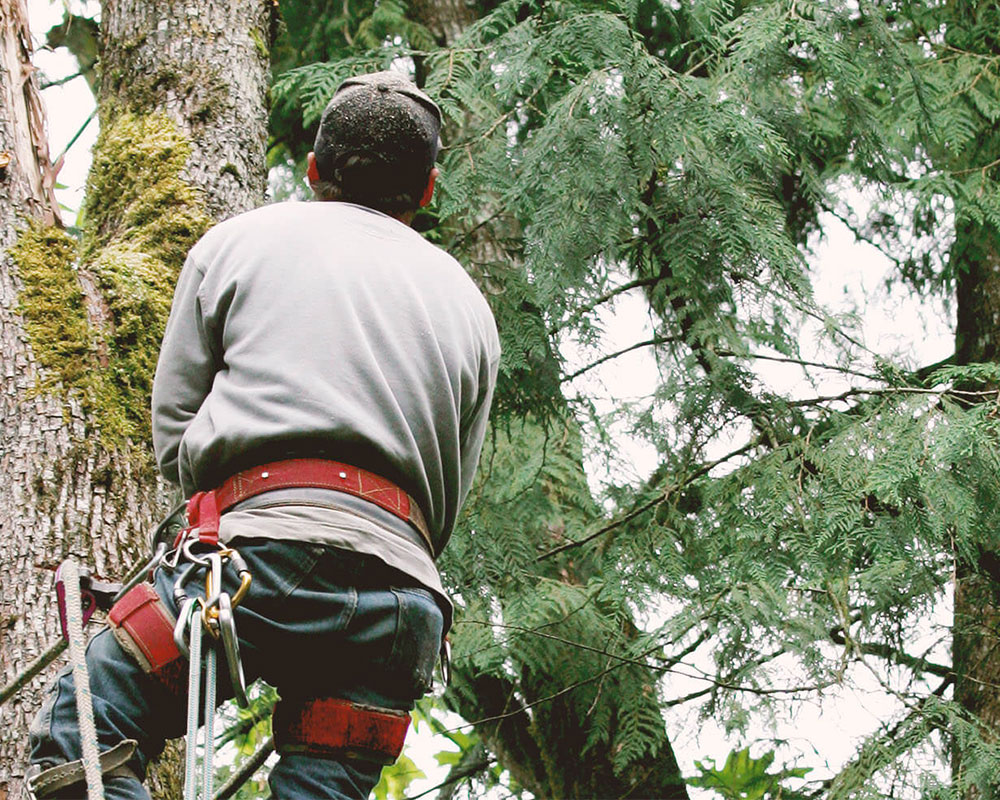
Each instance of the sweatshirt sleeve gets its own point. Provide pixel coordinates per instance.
(474, 429)
(184, 373)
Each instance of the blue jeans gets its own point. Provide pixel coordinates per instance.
(317, 622)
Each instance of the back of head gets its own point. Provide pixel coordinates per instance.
(377, 142)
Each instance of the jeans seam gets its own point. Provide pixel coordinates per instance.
(288, 587)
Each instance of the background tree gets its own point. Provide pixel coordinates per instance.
(687, 153)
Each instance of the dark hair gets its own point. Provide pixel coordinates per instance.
(377, 142)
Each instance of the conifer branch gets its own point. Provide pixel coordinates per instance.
(861, 236)
(654, 342)
(49, 84)
(959, 394)
(568, 642)
(715, 683)
(800, 362)
(879, 22)
(883, 747)
(586, 308)
(894, 655)
(651, 504)
(473, 761)
(523, 707)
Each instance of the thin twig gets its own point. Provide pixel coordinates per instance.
(76, 136)
(604, 298)
(656, 340)
(642, 509)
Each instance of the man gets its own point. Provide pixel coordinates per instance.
(322, 392)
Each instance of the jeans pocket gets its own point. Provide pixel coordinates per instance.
(278, 567)
(418, 638)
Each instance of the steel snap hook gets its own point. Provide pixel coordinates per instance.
(231, 647)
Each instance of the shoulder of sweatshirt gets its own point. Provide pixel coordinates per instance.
(293, 214)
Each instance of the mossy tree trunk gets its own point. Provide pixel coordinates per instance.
(182, 112)
(34, 424)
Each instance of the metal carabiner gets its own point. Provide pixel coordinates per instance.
(184, 622)
(231, 647)
(181, 596)
(242, 570)
(213, 591)
(190, 555)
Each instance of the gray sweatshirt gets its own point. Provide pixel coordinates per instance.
(327, 330)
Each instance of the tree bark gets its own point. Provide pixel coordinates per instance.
(34, 426)
(78, 478)
(975, 259)
(28, 443)
(206, 65)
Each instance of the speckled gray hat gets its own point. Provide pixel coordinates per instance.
(378, 127)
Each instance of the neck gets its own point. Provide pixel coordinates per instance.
(406, 217)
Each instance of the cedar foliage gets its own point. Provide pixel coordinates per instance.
(789, 539)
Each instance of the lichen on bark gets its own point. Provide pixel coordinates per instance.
(139, 220)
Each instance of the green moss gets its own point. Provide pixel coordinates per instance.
(261, 46)
(139, 220)
(135, 91)
(52, 304)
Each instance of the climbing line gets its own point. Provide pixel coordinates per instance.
(81, 679)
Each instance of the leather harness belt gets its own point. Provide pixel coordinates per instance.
(205, 508)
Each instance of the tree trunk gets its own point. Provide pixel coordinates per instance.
(181, 145)
(33, 425)
(975, 260)
(206, 65)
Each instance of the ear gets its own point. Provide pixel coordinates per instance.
(312, 172)
(429, 189)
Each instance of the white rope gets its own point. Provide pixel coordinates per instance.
(208, 758)
(84, 701)
(194, 692)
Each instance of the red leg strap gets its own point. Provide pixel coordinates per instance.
(329, 727)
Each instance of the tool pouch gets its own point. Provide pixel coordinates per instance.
(144, 627)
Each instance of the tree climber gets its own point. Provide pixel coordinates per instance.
(321, 396)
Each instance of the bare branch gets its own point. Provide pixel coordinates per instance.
(604, 298)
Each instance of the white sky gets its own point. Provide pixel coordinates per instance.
(848, 276)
